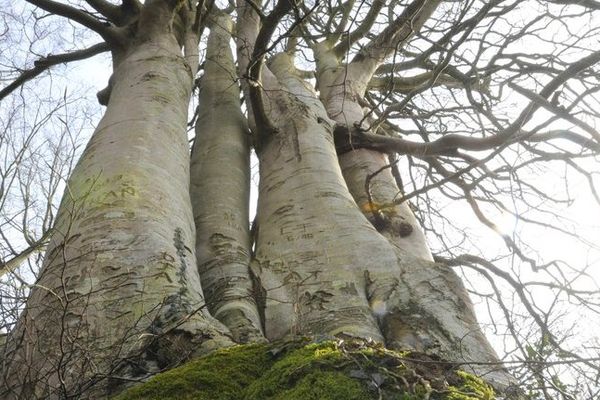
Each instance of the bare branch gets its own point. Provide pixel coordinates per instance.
(76, 15)
(7, 266)
(43, 64)
(428, 79)
(556, 109)
(361, 30)
(592, 4)
(109, 10)
(394, 35)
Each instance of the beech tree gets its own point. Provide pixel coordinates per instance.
(370, 120)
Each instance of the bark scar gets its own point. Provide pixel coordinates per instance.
(296, 142)
(260, 297)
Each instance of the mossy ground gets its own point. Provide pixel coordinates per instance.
(319, 371)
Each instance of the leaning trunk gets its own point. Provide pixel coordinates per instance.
(324, 268)
(310, 233)
(119, 294)
(420, 305)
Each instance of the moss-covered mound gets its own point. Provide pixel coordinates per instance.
(319, 371)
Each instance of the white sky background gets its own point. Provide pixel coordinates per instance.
(92, 75)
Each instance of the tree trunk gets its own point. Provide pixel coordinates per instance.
(220, 191)
(324, 268)
(119, 295)
(419, 305)
(310, 232)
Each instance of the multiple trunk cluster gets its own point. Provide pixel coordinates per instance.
(138, 277)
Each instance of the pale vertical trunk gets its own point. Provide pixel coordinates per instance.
(342, 87)
(247, 25)
(341, 93)
(120, 279)
(220, 186)
(247, 28)
(314, 248)
(324, 269)
(419, 305)
(369, 170)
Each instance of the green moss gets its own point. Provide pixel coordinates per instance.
(306, 373)
(472, 388)
(351, 370)
(222, 375)
(322, 385)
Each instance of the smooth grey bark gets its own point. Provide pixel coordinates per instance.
(311, 234)
(324, 268)
(421, 305)
(376, 192)
(342, 86)
(119, 294)
(120, 276)
(220, 191)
